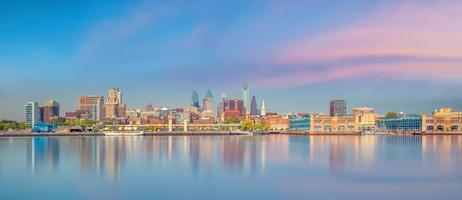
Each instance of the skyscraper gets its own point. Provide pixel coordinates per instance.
(32, 113)
(253, 106)
(232, 108)
(263, 108)
(207, 104)
(50, 111)
(94, 105)
(337, 108)
(221, 105)
(246, 97)
(195, 99)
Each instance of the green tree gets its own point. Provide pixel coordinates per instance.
(391, 115)
(232, 120)
(23, 126)
(260, 127)
(247, 125)
(57, 122)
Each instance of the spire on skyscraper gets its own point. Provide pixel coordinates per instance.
(195, 99)
(263, 108)
(246, 97)
(209, 95)
(253, 106)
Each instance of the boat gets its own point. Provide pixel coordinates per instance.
(123, 133)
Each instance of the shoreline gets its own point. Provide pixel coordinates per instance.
(4, 135)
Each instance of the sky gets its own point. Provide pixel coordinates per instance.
(393, 55)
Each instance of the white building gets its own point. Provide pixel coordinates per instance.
(32, 113)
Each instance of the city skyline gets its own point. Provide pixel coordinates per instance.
(161, 51)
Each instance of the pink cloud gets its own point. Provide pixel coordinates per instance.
(430, 36)
(409, 71)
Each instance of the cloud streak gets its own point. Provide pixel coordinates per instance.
(409, 42)
(111, 31)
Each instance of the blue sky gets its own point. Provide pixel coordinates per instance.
(296, 55)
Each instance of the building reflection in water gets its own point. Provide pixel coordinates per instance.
(43, 154)
(437, 150)
(106, 157)
(360, 152)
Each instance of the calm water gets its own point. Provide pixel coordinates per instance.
(235, 167)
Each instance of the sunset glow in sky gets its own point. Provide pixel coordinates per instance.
(393, 55)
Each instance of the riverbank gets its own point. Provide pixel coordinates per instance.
(225, 133)
(102, 134)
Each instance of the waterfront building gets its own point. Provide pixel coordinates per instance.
(367, 117)
(94, 105)
(43, 128)
(323, 123)
(195, 99)
(78, 114)
(276, 122)
(178, 115)
(299, 123)
(114, 107)
(246, 97)
(50, 111)
(442, 120)
(263, 109)
(253, 107)
(337, 108)
(406, 123)
(32, 113)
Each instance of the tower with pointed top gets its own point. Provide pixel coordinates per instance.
(246, 97)
(253, 106)
(207, 104)
(263, 108)
(195, 99)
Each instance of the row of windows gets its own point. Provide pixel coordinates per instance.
(454, 121)
(442, 128)
(329, 128)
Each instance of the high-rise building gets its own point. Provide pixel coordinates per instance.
(246, 97)
(221, 105)
(207, 105)
(233, 108)
(149, 107)
(208, 101)
(119, 96)
(337, 108)
(94, 105)
(195, 99)
(50, 111)
(32, 113)
(253, 106)
(263, 109)
(114, 107)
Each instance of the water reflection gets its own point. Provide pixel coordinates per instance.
(107, 157)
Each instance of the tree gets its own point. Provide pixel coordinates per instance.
(247, 125)
(13, 125)
(23, 126)
(260, 127)
(232, 120)
(57, 122)
(391, 115)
